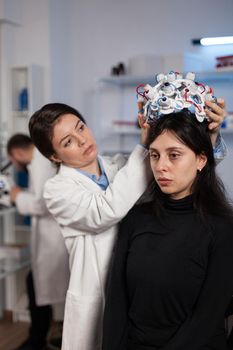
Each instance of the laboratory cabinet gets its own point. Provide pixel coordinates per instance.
(12, 271)
(25, 95)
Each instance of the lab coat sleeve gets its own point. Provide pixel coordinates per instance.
(75, 206)
(31, 201)
(28, 203)
(209, 310)
(220, 149)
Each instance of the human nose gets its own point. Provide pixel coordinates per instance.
(81, 140)
(161, 164)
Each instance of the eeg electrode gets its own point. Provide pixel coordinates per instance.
(172, 93)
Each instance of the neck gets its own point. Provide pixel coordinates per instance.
(30, 153)
(93, 168)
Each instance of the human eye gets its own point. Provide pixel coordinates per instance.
(81, 127)
(67, 143)
(174, 155)
(154, 156)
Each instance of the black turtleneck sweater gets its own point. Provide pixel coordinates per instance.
(170, 282)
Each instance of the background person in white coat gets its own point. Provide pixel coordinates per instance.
(48, 281)
(88, 197)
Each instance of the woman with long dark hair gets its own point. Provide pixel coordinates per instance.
(170, 281)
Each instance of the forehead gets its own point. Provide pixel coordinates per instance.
(67, 119)
(64, 124)
(167, 139)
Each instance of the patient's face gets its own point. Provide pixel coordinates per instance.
(174, 165)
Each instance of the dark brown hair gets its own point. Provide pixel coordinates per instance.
(18, 141)
(42, 122)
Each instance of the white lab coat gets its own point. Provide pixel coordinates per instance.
(88, 217)
(49, 256)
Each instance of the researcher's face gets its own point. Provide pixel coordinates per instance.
(73, 143)
(174, 165)
(20, 157)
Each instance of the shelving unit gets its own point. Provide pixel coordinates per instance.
(120, 85)
(31, 79)
(10, 286)
(111, 106)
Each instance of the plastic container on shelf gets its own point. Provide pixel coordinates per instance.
(23, 99)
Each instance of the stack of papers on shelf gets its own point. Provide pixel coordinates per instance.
(14, 251)
(224, 63)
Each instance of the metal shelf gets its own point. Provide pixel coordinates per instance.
(4, 210)
(128, 80)
(133, 80)
(9, 266)
(125, 131)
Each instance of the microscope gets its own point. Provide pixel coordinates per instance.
(6, 182)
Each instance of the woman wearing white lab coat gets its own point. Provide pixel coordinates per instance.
(88, 219)
(50, 271)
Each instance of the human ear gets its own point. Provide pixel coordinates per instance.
(54, 158)
(201, 161)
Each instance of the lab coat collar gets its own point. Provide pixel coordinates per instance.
(109, 167)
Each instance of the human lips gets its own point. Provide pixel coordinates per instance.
(88, 150)
(163, 181)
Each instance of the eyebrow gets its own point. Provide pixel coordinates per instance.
(69, 134)
(167, 149)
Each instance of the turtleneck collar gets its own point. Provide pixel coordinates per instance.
(179, 205)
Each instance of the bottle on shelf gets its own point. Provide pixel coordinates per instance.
(23, 99)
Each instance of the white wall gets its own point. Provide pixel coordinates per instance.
(31, 38)
(64, 38)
